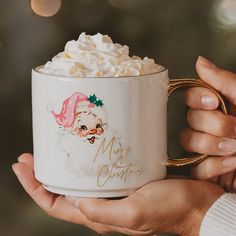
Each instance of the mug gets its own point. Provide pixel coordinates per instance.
(103, 137)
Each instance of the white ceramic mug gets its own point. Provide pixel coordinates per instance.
(102, 137)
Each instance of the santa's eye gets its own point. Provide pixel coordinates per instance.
(98, 126)
(83, 127)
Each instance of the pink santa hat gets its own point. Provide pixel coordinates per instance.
(70, 108)
(68, 111)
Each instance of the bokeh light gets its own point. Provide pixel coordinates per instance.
(46, 8)
(225, 11)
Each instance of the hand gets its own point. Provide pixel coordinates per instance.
(54, 205)
(175, 206)
(211, 131)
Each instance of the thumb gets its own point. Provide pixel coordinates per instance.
(222, 80)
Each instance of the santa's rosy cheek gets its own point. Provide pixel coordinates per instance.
(77, 130)
(84, 133)
(100, 131)
(81, 133)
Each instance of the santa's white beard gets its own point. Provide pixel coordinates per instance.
(81, 156)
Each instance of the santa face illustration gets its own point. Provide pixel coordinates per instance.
(91, 149)
(88, 126)
(85, 129)
(83, 116)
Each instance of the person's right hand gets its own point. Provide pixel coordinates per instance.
(173, 205)
(211, 132)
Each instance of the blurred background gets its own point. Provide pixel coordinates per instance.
(172, 32)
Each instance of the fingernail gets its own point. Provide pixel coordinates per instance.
(209, 101)
(206, 63)
(228, 146)
(19, 158)
(73, 200)
(13, 165)
(229, 162)
(13, 168)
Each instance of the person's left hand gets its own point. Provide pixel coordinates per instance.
(210, 131)
(173, 205)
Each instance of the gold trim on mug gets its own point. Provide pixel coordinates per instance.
(187, 83)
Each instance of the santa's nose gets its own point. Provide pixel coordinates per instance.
(93, 131)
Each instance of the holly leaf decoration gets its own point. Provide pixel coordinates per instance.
(99, 103)
(92, 98)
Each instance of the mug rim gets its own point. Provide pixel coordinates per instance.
(36, 70)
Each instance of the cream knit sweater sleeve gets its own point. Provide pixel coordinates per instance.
(220, 219)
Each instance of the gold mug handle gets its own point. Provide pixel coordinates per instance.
(187, 83)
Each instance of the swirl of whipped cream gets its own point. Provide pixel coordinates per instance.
(98, 56)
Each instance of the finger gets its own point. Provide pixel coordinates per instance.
(212, 122)
(111, 212)
(222, 80)
(214, 166)
(226, 181)
(194, 141)
(201, 98)
(27, 158)
(26, 177)
(41, 196)
(54, 205)
(99, 228)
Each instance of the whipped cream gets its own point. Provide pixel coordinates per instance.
(98, 56)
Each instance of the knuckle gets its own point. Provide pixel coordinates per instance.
(51, 209)
(50, 212)
(90, 212)
(202, 144)
(184, 137)
(134, 217)
(221, 126)
(91, 215)
(189, 97)
(204, 170)
(208, 169)
(226, 89)
(194, 141)
(207, 173)
(190, 116)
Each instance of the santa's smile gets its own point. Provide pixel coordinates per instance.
(92, 139)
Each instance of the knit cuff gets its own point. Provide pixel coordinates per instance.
(220, 220)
